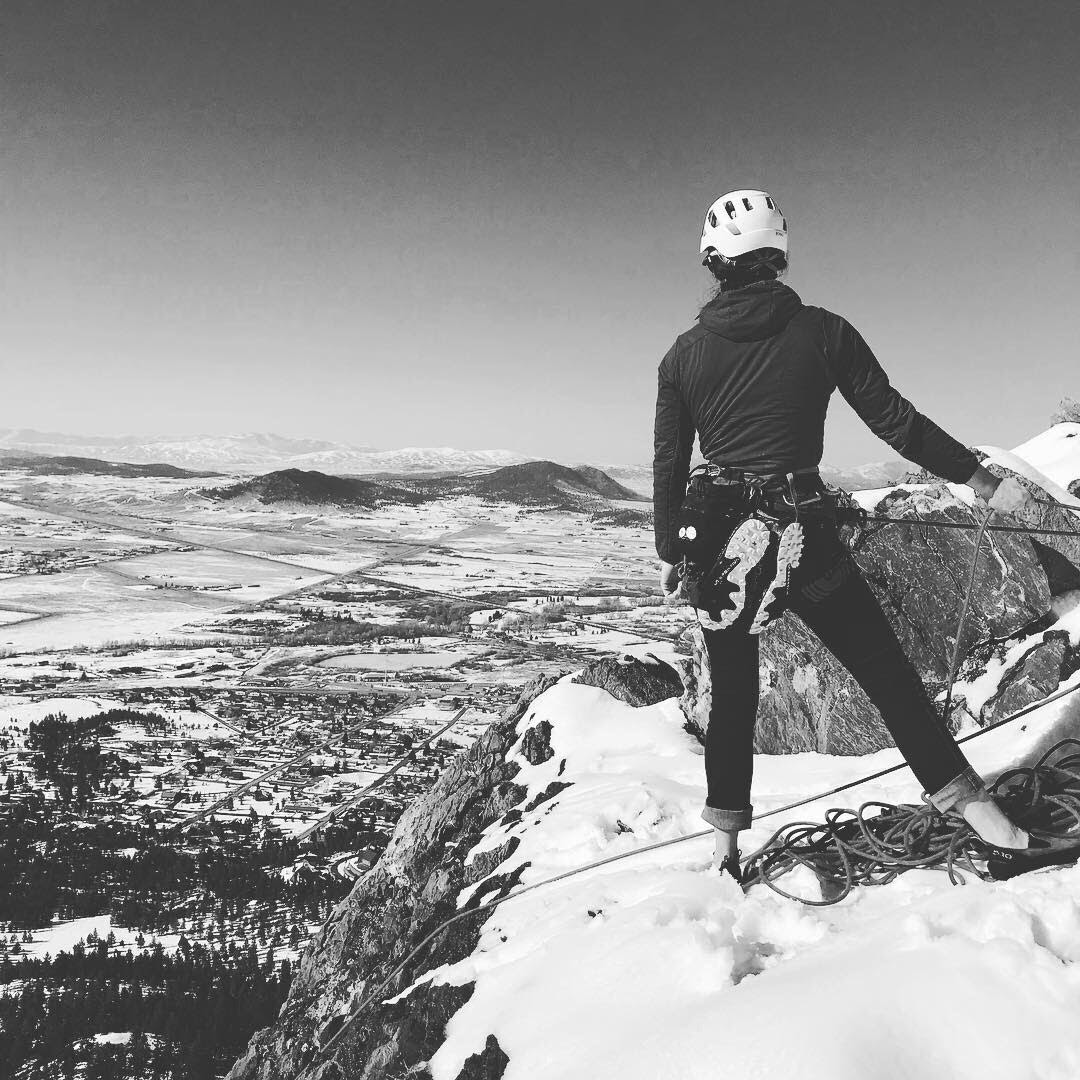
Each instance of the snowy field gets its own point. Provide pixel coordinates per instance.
(141, 598)
(372, 661)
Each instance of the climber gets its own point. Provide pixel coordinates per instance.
(755, 531)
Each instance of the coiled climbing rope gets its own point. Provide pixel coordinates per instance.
(876, 843)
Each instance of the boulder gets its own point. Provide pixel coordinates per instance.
(1044, 516)
(637, 682)
(1038, 673)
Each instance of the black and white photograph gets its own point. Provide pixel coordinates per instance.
(539, 541)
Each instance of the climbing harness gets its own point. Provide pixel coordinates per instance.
(876, 843)
(728, 523)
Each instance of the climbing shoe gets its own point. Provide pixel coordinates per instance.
(1005, 863)
(744, 550)
(788, 553)
(730, 866)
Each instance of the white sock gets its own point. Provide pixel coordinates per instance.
(989, 821)
(724, 848)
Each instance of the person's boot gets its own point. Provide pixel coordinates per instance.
(788, 554)
(745, 548)
(1004, 863)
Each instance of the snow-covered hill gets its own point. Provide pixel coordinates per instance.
(257, 453)
(1056, 454)
(660, 967)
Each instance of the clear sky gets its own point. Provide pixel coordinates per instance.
(476, 223)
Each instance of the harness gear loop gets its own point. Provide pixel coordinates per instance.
(794, 497)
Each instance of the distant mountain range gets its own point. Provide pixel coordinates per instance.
(260, 454)
(255, 453)
(532, 483)
(45, 465)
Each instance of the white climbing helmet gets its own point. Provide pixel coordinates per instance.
(743, 221)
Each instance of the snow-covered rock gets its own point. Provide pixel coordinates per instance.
(1056, 454)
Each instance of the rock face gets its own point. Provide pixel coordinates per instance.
(406, 895)
(919, 575)
(637, 682)
(1038, 672)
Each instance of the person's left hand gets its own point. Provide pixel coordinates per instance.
(670, 582)
(1012, 498)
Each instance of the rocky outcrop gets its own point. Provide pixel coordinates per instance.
(637, 682)
(1038, 673)
(409, 892)
(919, 575)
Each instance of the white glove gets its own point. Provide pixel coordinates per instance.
(1011, 497)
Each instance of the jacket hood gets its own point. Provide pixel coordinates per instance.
(753, 313)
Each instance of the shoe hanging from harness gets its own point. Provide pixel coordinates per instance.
(741, 536)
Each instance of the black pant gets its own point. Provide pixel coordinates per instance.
(829, 594)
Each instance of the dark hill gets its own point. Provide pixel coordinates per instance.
(534, 483)
(47, 465)
(314, 488)
(605, 485)
(547, 483)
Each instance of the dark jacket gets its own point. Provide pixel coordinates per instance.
(754, 378)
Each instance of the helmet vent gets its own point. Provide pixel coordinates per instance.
(769, 203)
(712, 219)
(746, 203)
(730, 208)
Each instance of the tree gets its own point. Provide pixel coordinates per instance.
(1068, 412)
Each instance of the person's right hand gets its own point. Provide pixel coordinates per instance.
(670, 582)
(1011, 497)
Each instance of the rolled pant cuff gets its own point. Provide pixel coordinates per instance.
(728, 820)
(968, 784)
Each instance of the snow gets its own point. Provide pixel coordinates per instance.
(63, 936)
(113, 1037)
(1019, 464)
(979, 690)
(657, 966)
(1055, 453)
